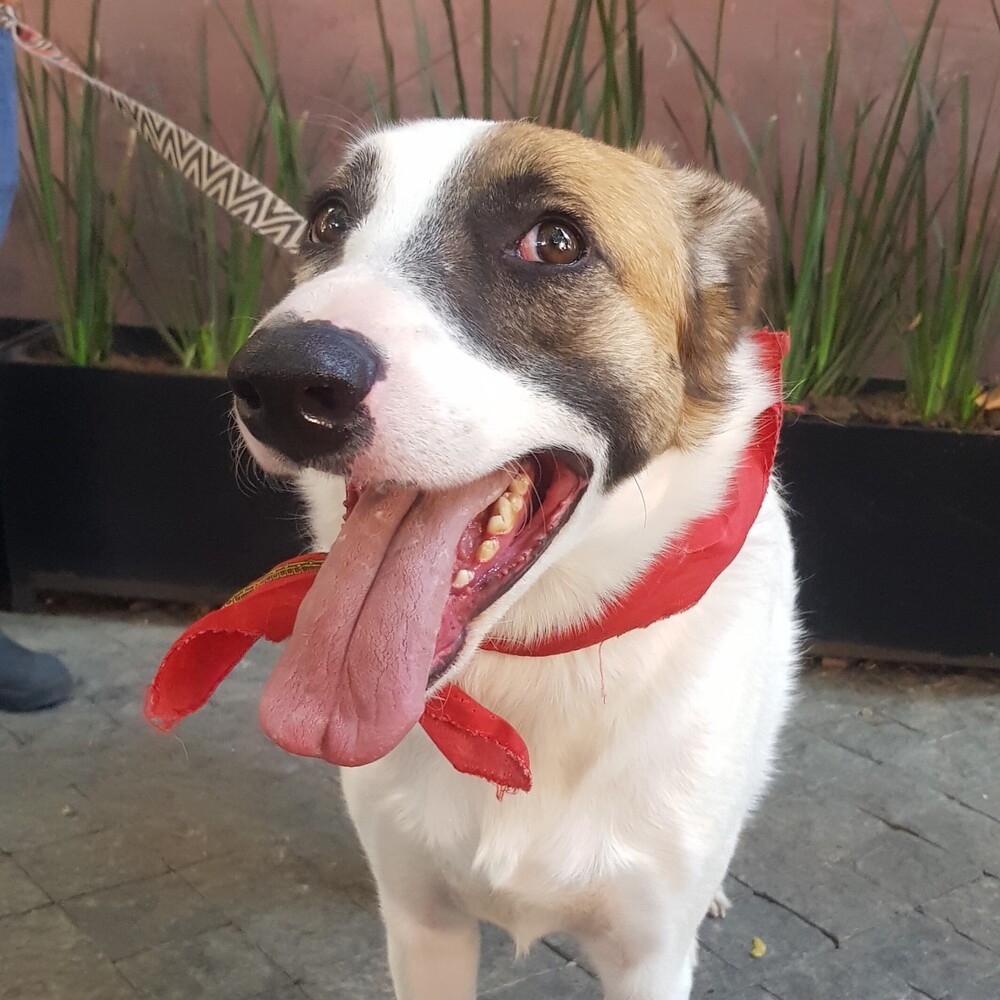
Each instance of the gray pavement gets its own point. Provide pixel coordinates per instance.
(213, 865)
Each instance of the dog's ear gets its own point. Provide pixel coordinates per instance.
(728, 235)
(726, 232)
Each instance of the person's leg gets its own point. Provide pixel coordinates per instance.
(8, 129)
(28, 680)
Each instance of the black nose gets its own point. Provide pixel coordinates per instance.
(300, 386)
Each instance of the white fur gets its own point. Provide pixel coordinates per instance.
(647, 752)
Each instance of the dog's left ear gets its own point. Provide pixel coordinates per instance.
(728, 248)
(725, 230)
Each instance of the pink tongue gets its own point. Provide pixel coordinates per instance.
(351, 682)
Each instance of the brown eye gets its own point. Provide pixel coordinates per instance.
(553, 241)
(330, 221)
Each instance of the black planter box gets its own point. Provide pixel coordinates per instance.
(121, 482)
(897, 533)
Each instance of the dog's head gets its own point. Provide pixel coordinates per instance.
(493, 326)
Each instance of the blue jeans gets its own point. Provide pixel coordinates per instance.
(8, 129)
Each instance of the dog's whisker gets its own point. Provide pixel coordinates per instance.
(645, 511)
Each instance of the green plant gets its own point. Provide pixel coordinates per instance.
(956, 292)
(230, 269)
(598, 95)
(839, 275)
(86, 228)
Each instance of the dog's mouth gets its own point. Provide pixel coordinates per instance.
(391, 609)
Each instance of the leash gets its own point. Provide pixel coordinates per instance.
(216, 176)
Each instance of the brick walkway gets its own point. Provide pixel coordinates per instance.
(216, 866)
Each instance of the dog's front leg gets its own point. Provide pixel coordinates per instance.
(657, 974)
(434, 954)
(643, 941)
(433, 942)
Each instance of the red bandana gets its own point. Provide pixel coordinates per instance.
(473, 739)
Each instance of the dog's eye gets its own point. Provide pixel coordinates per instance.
(330, 221)
(552, 241)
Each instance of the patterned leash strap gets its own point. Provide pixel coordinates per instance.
(229, 185)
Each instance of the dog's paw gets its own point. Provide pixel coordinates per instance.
(719, 906)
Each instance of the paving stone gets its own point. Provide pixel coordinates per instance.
(252, 882)
(936, 701)
(91, 861)
(135, 763)
(872, 734)
(787, 936)
(44, 957)
(825, 696)
(36, 813)
(985, 989)
(734, 889)
(944, 703)
(288, 993)
(932, 956)
(901, 800)
(956, 764)
(806, 762)
(715, 979)
(832, 897)
(188, 823)
(217, 965)
(913, 869)
(974, 911)
(303, 807)
(808, 827)
(314, 938)
(77, 725)
(139, 915)
(838, 975)
(569, 982)
(367, 979)
(8, 744)
(17, 892)
(336, 848)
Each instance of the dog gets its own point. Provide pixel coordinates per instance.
(522, 360)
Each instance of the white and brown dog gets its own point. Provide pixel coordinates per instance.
(527, 353)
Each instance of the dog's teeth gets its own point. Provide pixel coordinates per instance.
(503, 518)
(520, 484)
(516, 502)
(487, 550)
(462, 579)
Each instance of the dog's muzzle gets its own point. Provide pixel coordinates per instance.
(300, 388)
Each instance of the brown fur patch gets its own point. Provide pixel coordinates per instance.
(686, 249)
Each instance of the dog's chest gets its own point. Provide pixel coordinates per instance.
(532, 863)
(531, 873)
